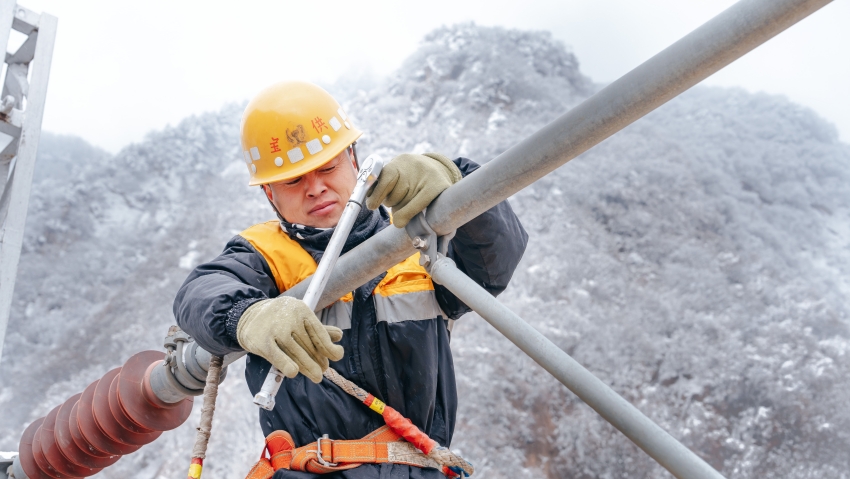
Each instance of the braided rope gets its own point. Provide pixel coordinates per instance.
(445, 457)
(345, 384)
(442, 455)
(210, 394)
(199, 451)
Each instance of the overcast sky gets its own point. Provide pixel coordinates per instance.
(124, 68)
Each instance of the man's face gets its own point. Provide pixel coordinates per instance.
(318, 198)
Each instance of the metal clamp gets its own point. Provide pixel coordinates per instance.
(181, 374)
(431, 247)
(319, 457)
(175, 335)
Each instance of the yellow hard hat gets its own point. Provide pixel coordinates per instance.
(290, 129)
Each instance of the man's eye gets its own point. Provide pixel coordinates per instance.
(293, 182)
(328, 170)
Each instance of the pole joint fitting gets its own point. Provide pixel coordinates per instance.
(431, 247)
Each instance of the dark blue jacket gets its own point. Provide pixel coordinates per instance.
(406, 364)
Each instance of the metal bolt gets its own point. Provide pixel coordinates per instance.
(420, 243)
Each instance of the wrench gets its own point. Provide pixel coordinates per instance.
(369, 172)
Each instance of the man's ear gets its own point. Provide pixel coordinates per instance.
(268, 191)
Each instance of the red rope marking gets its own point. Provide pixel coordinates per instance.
(406, 429)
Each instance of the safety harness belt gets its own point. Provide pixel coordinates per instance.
(326, 455)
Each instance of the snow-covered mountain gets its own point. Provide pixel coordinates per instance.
(696, 261)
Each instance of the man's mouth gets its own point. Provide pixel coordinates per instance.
(323, 208)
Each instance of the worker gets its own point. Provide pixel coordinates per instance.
(389, 336)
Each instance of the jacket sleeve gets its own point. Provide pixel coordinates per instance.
(214, 296)
(488, 249)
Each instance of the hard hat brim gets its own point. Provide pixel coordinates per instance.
(295, 172)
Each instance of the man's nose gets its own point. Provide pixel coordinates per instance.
(315, 185)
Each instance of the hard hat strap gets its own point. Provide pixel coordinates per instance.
(352, 150)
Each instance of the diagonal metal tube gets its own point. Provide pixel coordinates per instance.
(717, 43)
(660, 445)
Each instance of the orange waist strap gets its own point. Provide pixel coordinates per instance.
(381, 446)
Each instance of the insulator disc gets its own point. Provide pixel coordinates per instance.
(25, 456)
(149, 412)
(121, 415)
(51, 451)
(80, 441)
(105, 419)
(69, 448)
(92, 431)
(40, 460)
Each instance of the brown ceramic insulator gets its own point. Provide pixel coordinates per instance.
(140, 403)
(69, 448)
(25, 455)
(92, 432)
(139, 434)
(81, 442)
(40, 460)
(121, 414)
(51, 451)
(107, 421)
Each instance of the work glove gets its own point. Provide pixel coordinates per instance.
(288, 334)
(409, 183)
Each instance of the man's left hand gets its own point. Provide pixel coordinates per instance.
(410, 182)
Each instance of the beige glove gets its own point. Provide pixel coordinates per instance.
(287, 334)
(410, 182)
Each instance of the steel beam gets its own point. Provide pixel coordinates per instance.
(7, 13)
(36, 55)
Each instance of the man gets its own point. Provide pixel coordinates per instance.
(392, 333)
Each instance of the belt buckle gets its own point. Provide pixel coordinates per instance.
(319, 457)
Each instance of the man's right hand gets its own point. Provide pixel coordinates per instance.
(288, 334)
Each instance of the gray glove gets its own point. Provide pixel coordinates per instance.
(287, 334)
(410, 182)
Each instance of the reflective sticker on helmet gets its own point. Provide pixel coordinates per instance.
(255, 153)
(335, 124)
(278, 161)
(246, 156)
(342, 114)
(313, 146)
(253, 168)
(326, 139)
(348, 125)
(295, 155)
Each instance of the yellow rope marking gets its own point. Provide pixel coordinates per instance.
(195, 471)
(377, 406)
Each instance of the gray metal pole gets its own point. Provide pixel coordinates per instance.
(721, 40)
(661, 446)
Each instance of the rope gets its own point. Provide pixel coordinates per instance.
(445, 457)
(199, 451)
(346, 385)
(403, 427)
